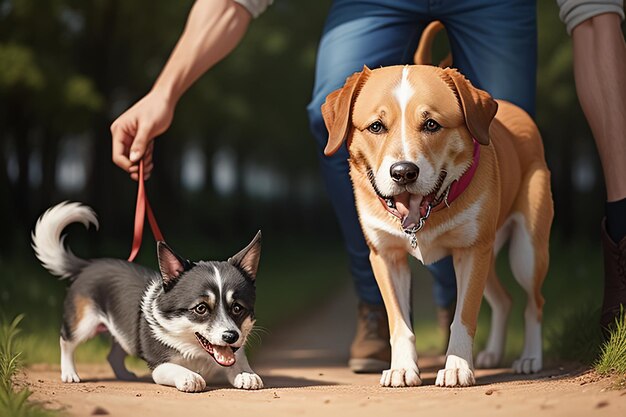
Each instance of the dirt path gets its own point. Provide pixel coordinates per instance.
(304, 373)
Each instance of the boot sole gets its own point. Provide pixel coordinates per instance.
(367, 366)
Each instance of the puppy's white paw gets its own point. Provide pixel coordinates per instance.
(247, 380)
(69, 376)
(400, 378)
(456, 374)
(190, 382)
(487, 359)
(525, 365)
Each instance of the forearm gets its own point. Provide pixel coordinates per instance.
(213, 29)
(599, 68)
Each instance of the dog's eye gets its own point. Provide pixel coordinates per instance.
(237, 309)
(376, 128)
(431, 126)
(201, 309)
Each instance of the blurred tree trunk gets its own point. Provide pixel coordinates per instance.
(49, 157)
(7, 212)
(165, 186)
(564, 190)
(21, 191)
(99, 53)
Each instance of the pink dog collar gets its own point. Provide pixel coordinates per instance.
(457, 187)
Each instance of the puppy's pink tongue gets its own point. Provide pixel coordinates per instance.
(224, 355)
(408, 205)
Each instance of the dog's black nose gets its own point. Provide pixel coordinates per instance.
(230, 336)
(404, 172)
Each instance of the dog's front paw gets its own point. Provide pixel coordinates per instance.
(456, 374)
(487, 359)
(455, 377)
(247, 380)
(69, 377)
(400, 378)
(190, 382)
(526, 365)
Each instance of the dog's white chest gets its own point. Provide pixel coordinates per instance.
(428, 253)
(428, 249)
(383, 233)
(420, 255)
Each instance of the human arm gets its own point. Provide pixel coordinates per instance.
(599, 68)
(213, 29)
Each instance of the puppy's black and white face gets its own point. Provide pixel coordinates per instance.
(207, 307)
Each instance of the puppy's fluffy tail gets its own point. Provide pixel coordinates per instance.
(48, 242)
(423, 54)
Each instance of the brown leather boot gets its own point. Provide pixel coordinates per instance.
(614, 280)
(370, 350)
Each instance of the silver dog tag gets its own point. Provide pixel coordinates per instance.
(413, 230)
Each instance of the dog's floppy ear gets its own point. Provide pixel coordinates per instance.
(247, 260)
(337, 108)
(479, 108)
(170, 264)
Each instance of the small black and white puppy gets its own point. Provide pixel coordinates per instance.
(188, 323)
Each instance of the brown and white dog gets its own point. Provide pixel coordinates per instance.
(440, 168)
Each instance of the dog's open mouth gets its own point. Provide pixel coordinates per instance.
(223, 355)
(410, 208)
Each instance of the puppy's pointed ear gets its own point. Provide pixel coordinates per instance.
(338, 107)
(170, 264)
(479, 108)
(247, 260)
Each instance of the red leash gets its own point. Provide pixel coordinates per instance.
(143, 206)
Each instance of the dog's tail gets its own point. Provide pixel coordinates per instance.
(423, 55)
(48, 242)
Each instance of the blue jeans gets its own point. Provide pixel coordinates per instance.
(493, 43)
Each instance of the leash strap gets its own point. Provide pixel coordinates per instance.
(143, 207)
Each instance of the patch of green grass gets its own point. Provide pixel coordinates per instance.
(577, 337)
(429, 339)
(13, 400)
(295, 276)
(612, 360)
(574, 279)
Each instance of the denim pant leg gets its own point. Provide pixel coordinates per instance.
(357, 33)
(494, 44)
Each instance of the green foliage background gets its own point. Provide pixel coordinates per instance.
(69, 67)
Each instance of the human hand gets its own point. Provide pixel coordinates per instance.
(133, 133)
